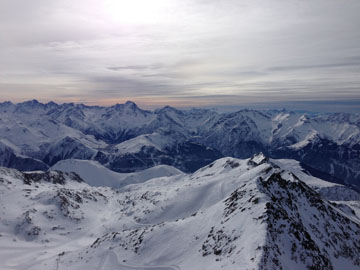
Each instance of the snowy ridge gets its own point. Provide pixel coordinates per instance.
(94, 174)
(254, 213)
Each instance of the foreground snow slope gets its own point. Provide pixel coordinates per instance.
(231, 214)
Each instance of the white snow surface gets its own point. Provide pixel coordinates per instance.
(96, 174)
(231, 214)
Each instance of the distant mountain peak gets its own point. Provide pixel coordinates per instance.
(168, 109)
(130, 103)
(6, 103)
(51, 103)
(31, 103)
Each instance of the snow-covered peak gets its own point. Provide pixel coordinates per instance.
(128, 106)
(168, 109)
(131, 105)
(156, 140)
(30, 103)
(259, 158)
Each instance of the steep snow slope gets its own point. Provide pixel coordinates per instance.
(10, 157)
(231, 214)
(155, 140)
(96, 174)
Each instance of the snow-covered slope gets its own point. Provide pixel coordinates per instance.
(255, 213)
(96, 174)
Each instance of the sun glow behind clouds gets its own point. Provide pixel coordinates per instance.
(138, 11)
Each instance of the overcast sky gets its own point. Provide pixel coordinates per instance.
(181, 52)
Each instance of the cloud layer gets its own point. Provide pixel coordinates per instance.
(198, 52)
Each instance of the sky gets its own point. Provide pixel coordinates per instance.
(204, 53)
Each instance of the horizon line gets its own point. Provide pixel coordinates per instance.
(353, 105)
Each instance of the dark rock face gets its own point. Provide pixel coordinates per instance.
(26, 226)
(297, 217)
(55, 177)
(24, 163)
(10, 160)
(131, 162)
(65, 149)
(218, 243)
(190, 156)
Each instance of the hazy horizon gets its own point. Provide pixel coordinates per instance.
(298, 106)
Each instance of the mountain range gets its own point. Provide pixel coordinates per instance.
(90, 187)
(125, 138)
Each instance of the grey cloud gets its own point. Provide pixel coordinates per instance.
(314, 66)
(127, 67)
(137, 67)
(231, 50)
